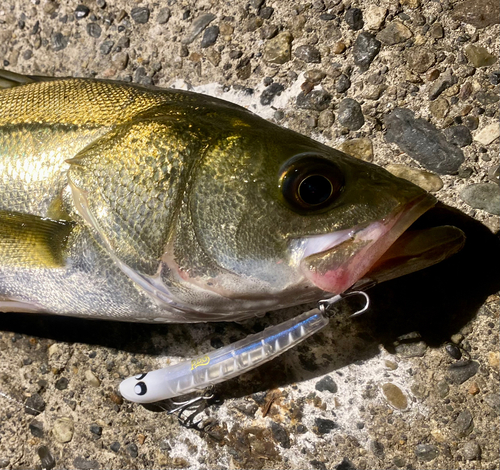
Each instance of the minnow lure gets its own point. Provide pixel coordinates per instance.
(233, 360)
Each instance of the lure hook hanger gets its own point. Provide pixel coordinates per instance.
(325, 305)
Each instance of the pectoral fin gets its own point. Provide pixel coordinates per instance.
(32, 242)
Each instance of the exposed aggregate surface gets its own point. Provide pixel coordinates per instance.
(410, 85)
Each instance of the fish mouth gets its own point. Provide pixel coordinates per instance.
(377, 252)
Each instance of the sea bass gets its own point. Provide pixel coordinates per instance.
(131, 203)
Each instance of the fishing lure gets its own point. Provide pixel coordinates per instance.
(233, 360)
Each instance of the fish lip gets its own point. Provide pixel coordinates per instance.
(367, 243)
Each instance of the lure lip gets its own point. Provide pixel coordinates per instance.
(336, 261)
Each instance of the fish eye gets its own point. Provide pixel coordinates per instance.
(310, 182)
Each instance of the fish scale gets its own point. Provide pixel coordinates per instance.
(148, 225)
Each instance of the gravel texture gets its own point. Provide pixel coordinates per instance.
(410, 85)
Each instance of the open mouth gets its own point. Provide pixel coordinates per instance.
(380, 251)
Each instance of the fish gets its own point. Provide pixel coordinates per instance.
(135, 203)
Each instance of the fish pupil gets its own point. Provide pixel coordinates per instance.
(310, 183)
(315, 189)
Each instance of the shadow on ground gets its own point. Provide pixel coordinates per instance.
(436, 302)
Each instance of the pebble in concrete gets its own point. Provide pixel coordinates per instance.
(140, 15)
(317, 100)
(374, 16)
(94, 30)
(426, 452)
(326, 384)
(198, 26)
(485, 196)
(494, 174)
(34, 404)
(395, 396)
(308, 54)
(421, 59)
(445, 81)
(479, 13)
(361, 148)
(458, 135)
(471, 450)
(365, 49)
(163, 15)
(342, 84)
(350, 114)
(278, 49)
(488, 134)
(354, 19)
(464, 423)
(439, 108)
(46, 458)
(479, 56)
(63, 429)
(394, 33)
(270, 93)
(36, 428)
(493, 401)
(210, 36)
(324, 426)
(81, 11)
(92, 379)
(426, 180)
(461, 371)
(422, 141)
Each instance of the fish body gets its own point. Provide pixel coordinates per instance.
(132, 203)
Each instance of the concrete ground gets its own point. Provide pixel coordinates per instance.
(414, 382)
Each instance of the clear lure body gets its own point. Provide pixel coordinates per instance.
(230, 361)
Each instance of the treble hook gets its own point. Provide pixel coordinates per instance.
(195, 404)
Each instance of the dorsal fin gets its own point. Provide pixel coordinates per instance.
(73, 101)
(12, 79)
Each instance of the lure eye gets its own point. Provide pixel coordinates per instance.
(140, 388)
(310, 182)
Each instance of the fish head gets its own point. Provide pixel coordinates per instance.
(283, 211)
(257, 217)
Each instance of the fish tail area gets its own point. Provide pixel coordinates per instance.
(12, 79)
